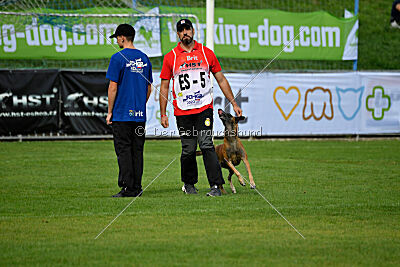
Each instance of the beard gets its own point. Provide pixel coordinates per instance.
(187, 41)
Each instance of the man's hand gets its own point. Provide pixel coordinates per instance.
(164, 121)
(108, 119)
(237, 109)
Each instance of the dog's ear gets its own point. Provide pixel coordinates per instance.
(237, 119)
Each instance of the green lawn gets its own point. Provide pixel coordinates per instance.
(343, 196)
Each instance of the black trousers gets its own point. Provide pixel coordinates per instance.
(193, 129)
(129, 138)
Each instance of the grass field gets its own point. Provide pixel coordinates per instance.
(343, 196)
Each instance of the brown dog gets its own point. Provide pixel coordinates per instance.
(232, 152)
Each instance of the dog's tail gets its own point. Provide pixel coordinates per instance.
(199, 153)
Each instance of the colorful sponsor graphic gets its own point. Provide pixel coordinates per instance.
(80, 100)
(193, 98)
(286, 107)
(318, 104)
(263, 33)
(72, 37)
(133, 113)
(351, 96)
(10, 100)
(136, 66)
(378, 103)
(207, 122)
(237, 34)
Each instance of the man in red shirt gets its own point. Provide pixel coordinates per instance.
(189, 65)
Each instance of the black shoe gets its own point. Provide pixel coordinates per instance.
(133, 193)
(138, 193)
(189, 189)
(120, 193)
(214, 192)
(128, 193)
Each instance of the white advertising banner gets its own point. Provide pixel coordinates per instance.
(302, 104)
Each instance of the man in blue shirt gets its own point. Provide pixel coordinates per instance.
(130, 75)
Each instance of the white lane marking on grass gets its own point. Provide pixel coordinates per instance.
(134, 199)
(276, 209)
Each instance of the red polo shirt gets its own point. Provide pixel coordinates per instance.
(167, 72)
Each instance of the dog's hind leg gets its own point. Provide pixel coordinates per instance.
(230, 181)
(240, 178)
(246, 163)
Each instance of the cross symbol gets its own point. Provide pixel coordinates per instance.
(378, 103)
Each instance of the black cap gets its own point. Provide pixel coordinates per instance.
(125, 30)
(182, 23)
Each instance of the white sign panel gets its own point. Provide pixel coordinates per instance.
(148, 34)
(303, 104)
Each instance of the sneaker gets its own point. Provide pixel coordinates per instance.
(189, 189)
(214, 192)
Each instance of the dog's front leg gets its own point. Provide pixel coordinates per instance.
(230, 181)
(246, 163)
(240, 178)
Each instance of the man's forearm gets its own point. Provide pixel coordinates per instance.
(163, 104)
(112, 93)
(163, 96)
(226, 90)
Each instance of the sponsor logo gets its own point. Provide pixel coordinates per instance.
(207, 122)
(190, 65)
(270, 35)
(10, 100)
(79, 100)
(136, 66)
(318, 104)
(58, 36)
(283, 99)
(193, 98)
(72, 100)
(349, 101)
(4, 97)
(133, 113)
(378, 103)
(189, 58)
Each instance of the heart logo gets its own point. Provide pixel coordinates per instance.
(287, 104)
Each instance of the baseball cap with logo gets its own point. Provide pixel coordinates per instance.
(125, 30)
(182, 24)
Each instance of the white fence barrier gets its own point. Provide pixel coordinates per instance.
(303, 104)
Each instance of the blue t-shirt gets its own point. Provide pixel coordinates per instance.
(131, 69)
